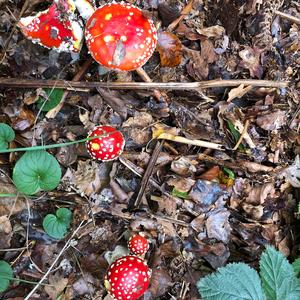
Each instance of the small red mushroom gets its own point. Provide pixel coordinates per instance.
(107, 147)
(120, 37)
(57, 27)
(127, 278)
(138, 245)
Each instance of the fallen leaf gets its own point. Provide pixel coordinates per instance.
(213, 31)
(292, 173)
(251, 61)
(58, 285)
(169, 48)
(272, 121)
(183, 166)
(5, 232)
(217, 225)
(181, 184)
(238, 92)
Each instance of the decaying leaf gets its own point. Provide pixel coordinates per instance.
(183, 167)
(181, 184)
(272, 121)
(169, 48)
(212, 32)
(292, 173)
(5, 232)
(251, 61)
(58, 284)
(238, 92)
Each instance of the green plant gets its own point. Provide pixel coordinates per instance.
(57, 225)
(6, 135)
(237, 281)
(36, 171)
(52, 99)
(6, 274)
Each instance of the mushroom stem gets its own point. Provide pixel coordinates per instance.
(183, 140)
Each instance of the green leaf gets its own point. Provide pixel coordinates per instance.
(278, 277)
(179, 194)
(296, 266)
(35, 171)
(229, 173)
(236, 281)
(57, 225)
(236, 135)
(5, 274)
(54, 97)
(6, 135)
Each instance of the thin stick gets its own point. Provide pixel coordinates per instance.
(24, 7)
(242, 135)
(73, 85)
(288, 17)
(54, 262)
(183, 140)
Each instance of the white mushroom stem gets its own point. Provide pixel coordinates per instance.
(85, 8)
(183, 140)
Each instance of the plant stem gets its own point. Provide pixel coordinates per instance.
(23, 280)
(34, 148)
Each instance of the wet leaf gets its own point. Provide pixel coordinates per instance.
(169, 48)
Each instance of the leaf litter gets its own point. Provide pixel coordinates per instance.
(201, 208)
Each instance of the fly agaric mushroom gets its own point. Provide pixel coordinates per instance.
(120, 37)
(138, 245)
(108, 146)
(55, 27)
(127, 278)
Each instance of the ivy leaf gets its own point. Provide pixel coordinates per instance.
(35, 171)
(5, 274)
(57, 225)
(54, 97)
(236, 281)
(6, 135)
(278, 277)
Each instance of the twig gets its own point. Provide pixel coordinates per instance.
(25, 5)
(54, 262)
(135, 203)
(183, 140)
(73, 85)
(288, 17)
(242, 135)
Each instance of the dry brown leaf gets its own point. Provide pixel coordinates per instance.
(183, 166)
(210, 174)
(251, 61)
(238, 92)
(181, 184)
(169, 48)
(217, 225)
(272, 121)
(213, 31)
(58, 285)
(5, 232)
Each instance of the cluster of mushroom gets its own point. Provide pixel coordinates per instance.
(128, 277)
(118, 35)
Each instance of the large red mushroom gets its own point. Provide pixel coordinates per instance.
(57, 27)
(119, 36)
(127, 278)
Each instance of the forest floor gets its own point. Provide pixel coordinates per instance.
(199, 207)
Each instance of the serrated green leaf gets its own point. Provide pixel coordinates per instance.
(57, 225)
(236, 281)
(296, 266)
(278, 277)
(35, 171)
(6, 135)
(54, 97)
(5, 274)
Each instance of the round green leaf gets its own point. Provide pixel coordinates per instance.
(57, 225)
(5, 274)
(6, 135)
(35, 171)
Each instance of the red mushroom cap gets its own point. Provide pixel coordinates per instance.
(119, 36)
(138, 245)
(107, 147)
(127, 278)
(55, 27)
